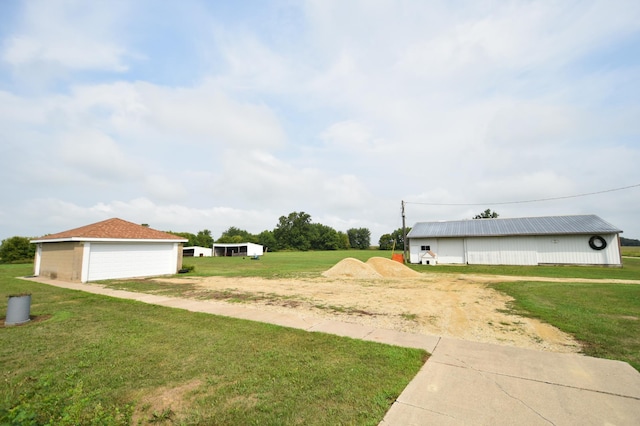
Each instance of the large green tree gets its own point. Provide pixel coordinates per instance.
(187, 236)
(324, 237)
(267, 240)
(487, 214)
(387, 241)
(204, 238)
(235, 235)
(359, 238)
(344, 240)
(294, 232)
(16, 249)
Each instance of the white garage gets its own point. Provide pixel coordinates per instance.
(110, 249)
(554, 240)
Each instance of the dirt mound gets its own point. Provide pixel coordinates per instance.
(376, 267)
(351, 268)
(391, 269)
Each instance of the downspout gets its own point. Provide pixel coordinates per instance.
(36, 268)
(86, 254)
(619, 248)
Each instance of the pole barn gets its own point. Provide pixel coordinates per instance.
(552, 240)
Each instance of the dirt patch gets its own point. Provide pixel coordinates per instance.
(459, 306)
(33, 319)
(164, 405)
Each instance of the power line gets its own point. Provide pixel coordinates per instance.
(526, 201)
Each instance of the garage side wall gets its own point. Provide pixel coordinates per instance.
(61, 261)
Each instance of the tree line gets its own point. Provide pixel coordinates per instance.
(296, 231)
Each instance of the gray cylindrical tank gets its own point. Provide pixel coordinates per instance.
(18, 309)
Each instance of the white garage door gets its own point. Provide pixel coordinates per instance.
(451, 250)
(107, 261)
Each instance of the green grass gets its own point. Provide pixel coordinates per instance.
(89, 359)
(312, 264)
(604, 317)
(631, 251)
(278, 264)
(629, 271)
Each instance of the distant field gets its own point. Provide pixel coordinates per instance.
(631, 251)
(312, 264)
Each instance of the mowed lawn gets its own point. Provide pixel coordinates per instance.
(604, 317)
(88, 359)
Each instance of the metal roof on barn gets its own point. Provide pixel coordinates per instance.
(550, 225)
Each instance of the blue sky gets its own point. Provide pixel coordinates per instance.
(199, 114)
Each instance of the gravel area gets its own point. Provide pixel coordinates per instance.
(387, 294)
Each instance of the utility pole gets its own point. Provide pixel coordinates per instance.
(404, 235)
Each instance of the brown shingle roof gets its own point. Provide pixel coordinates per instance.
(112, 229)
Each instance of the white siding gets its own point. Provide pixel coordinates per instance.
(502, 251)
(415, 248)
(526, 250)
(109, 261)
(450, 250)
(575, 249)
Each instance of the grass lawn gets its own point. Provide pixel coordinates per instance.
(312, 264)
(604, 317)
(277, 264)
(631, 251)
(89, 359)
(630, 270)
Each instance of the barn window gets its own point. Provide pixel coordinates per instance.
(425, 248)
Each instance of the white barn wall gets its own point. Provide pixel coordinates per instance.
(575, 249)
(415, 253)
(517, 250)
(451, 250)
(502, 251)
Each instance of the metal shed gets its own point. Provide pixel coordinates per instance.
(240, 249)
(196, 251)
(556, 240)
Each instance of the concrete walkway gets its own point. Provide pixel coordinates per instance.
(464, 383)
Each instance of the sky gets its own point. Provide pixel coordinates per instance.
(192, 114)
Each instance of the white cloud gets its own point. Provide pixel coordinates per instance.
(353, 137)
(67, 34)
(96, 155)
(340, 109)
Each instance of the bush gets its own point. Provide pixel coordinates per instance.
(16, 250)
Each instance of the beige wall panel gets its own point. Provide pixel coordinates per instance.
(61, 261)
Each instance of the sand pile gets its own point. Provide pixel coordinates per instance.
(351, 268)
(376, 267)
(391, 269)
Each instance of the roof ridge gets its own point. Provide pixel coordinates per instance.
(113, 228)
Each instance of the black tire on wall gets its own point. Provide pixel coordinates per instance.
(597, 242)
